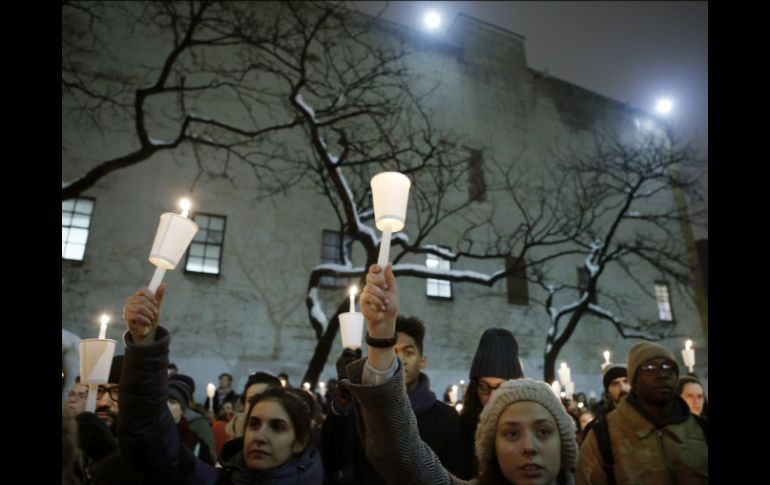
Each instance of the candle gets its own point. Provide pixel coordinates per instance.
(556, 388)
(283, 382)
(353, 291)
(210, 390)
(322, 389)
(185, 205)
(564, 374)
(103, 329)
(453, 395)
(569, 388)
(306, 386)
(607, 357)
(688, 355)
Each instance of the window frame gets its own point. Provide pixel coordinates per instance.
(87, 229)
(206, 246)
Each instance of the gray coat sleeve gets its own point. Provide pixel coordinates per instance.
(388, 430)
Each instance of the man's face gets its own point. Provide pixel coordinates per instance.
(655, 381)
(224, 382)
(175, 408)
(618, 388)
(106, 404)
(413, 361)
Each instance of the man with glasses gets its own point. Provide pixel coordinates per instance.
(76, 397)
(101, 460)
(652, 436)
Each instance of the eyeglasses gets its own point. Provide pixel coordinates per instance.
(485, 388)
(113, 392)
(81, 395)
(666, 367)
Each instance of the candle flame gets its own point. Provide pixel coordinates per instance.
(353, 290)
(105, 319)
(321, 385)
(688, 344)
(563, 365)
(185, 205)
(607, 355)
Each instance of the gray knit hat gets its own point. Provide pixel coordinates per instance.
(644, 351)
(524, 390)
(497, 356)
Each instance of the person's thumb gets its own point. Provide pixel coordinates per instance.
(390, 280)
(160, 292)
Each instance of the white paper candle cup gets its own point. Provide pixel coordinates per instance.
(351, 329)
(95, 360)
(390, 192)
(171, 240)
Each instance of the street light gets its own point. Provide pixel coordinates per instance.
(432, 20)
(664, 106)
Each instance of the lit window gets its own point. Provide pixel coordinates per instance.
(663, 298)
(75, 223)
(435, 287)
(205, 253)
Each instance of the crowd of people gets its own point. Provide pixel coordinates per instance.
(379, 421)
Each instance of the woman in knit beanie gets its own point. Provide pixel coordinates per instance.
(525, 436)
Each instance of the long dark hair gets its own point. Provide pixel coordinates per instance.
(469, 420)
(294, 405)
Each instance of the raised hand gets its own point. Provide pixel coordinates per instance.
(141, 312)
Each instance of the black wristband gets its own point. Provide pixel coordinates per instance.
(381, 343)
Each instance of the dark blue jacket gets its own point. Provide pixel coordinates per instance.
(150, 442)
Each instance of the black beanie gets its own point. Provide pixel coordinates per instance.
(497, 356)
(613, 372)
(178, 390)
(117, 365)
(186, 379)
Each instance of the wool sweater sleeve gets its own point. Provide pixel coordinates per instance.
(388, 429)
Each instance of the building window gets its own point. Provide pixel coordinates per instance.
(331, 252)
(205, 254)
(663, 297)
(75, 223)
(435, 287)
(477, 185)
(583, 283)
(518, 290)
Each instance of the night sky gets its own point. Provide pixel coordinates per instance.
(633, 52)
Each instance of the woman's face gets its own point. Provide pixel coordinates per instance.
(527, 444)
(692, 393)
(486, 386)
(269, 440)
(585, 418)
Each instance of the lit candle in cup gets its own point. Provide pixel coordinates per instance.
(353, 291)
(565, 375)
(103, 329)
